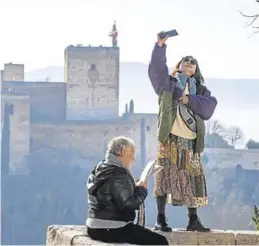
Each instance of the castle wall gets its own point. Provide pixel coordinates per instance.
(85, 140)
(92, 76)
(20, 127)
(221, 158)
(13, 72)
(150, 131)
(2, 78)
(47, 99)
(151, 138)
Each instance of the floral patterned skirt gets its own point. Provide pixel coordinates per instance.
(182, 178)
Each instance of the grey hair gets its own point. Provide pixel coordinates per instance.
(118, 143)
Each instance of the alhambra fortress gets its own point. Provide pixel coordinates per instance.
(81, 115)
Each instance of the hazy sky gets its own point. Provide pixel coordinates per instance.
(36, 32)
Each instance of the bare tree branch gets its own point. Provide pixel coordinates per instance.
(252, 20)
(253, 33)
(234, 134)
(215, 127)
(253, 17)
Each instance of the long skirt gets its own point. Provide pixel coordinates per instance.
(182, 177)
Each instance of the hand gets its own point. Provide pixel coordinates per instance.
(184, 99)
(161, 42)
(140, 183)
(136, 180)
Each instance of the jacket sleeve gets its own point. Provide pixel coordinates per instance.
(203, 105)
(126, 197)
(159, 75)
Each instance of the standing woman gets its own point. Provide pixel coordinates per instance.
(184, 104)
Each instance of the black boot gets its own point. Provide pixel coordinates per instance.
(161, 224)
(195, 224)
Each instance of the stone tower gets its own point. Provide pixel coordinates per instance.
(13, 72)
(92, 76)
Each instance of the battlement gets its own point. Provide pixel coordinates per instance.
(81, 48)
(76, 235)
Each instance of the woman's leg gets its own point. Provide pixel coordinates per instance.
(200, 199)
(194, 223)
(131, 233)
(161, 186)
(189, 184)
(161, 218)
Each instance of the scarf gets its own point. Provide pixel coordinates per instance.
(182, 79)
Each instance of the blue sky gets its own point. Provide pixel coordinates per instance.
(36, 32)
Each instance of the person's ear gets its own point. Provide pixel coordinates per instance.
(123, 151)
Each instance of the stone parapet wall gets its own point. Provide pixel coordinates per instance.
(76, 235)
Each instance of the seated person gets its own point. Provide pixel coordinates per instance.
(113, 197)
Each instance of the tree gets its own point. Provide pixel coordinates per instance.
(252, 20)
(131, 107)
(216, 134)
(234, 134)
(251, 144)
(215, 127)
(126, 109)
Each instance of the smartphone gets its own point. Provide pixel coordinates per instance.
(171, 33)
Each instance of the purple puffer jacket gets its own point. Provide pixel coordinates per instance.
(202, 104)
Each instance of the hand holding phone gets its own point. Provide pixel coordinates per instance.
(168, 34)
(163, 36)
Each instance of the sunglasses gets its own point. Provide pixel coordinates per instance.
(190, 59)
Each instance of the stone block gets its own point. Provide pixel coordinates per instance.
(247, 238)
(69, 235)
(180, 237)
(215, 237)
(76, 235)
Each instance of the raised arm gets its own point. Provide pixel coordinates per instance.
(203, 105)
(158, 70)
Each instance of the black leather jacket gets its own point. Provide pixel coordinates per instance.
(112, 194)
